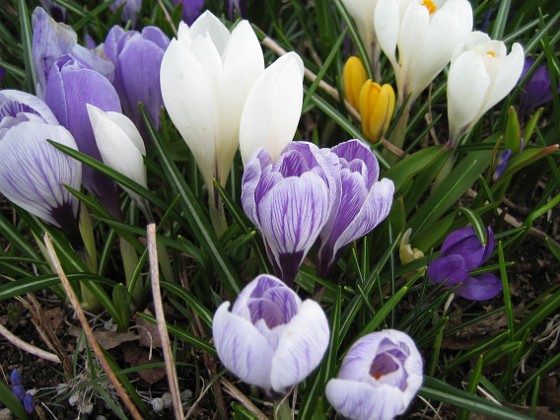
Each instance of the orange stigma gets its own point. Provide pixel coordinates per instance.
(377, 375)
(430, 5)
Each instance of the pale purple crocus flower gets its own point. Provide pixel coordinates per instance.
(137, 58)
(70, 86)
(461, 253)
(33, 173)
(289, 200)
(270, 338)
(379, 377)
(130, 10)
(52, 40)
(364, 202)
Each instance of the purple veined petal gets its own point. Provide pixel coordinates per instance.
(464, 242)
(156, 35)
(291, 215)
(33, 173)
(251, 178)
(482, 287)
(449, 270)
(111, 44)
(95, 59)
(50, 41)
(301, 348)
(360, 401)
(356, 150)
(241, 348)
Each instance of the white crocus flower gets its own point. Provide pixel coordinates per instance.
(273, 108)
(206, 75)
(121, 146)
(426, 34)
(478, 79)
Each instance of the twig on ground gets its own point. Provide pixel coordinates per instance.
(162, 327)
(25, 346)
(89, 332)
(232, 390)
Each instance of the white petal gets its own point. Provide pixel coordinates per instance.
(302, 346)
(129, 129)
(209, 24)
(387, 19)
(241, 348)
(273, 108)
(360, 401)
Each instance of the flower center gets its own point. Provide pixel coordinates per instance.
(491, 54)
(383, 364)
(430, 5)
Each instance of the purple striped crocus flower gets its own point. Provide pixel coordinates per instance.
(32, 172)
(270, 338)
(461, 253)
(364, 202)
(379, 377)
(290, 200)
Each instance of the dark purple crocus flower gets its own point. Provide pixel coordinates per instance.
(57, 11)
(137, 58)
(70, 86)
(290, 200)
(538, 89)
(364, 202)
(191, 9)
(461, 253)
(33, 174)
(19, 391)
(270, 338)
(28, 403)
(501, 164)
(51, 40)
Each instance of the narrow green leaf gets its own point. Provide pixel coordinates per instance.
(477, 223)
(8, 398)
(204, 313)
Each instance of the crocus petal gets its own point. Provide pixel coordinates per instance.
(251, 177)
(464, 242)
(273, 108)
(209, 24)
(360, 401)
(301, 348)
(449, 270)
(482, 287)
(33, 173)
(241, 348)
(387, 20)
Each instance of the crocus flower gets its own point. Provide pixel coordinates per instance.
(51, 40)
(537, 91)
(377, 104)
(354, 76)
(130, 9)
(270, 338)
(121, 146)
(191, 9)
(57, 11)
(461, 253)
(236, 6)
(362, 12)
(501, 164)
(379, 377)
(426, 34)
(206, 75)
(32, 172)
(289, 200)
(71, 85)
(364, 202)
(137, 57)
(28, 403)
(273, 108)
(478, 79)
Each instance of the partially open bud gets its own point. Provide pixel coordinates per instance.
(377, 104)
(353, 78)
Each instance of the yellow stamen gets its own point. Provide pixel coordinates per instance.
(491, 53)
(430, 5)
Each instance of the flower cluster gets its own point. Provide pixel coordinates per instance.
(19, 391)
(308, 193)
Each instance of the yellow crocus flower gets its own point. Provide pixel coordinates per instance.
(376, 106)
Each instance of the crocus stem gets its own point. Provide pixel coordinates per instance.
(282, 410)
(446, 169)
(398, 134)
(217, 214)
(86, 231)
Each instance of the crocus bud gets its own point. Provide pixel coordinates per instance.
(121, 145)
(273, 107)
(537, 91)
(377, 104)
(289, 200)
(461, 253)
(137, 58)
(426, 34)
(28, 403)
(353, 78)
(379, 377)
(406, 253)
(478, 79)
(270, 338)
(70, 86)
(365, 201)
(206, 75)
(191, 9)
